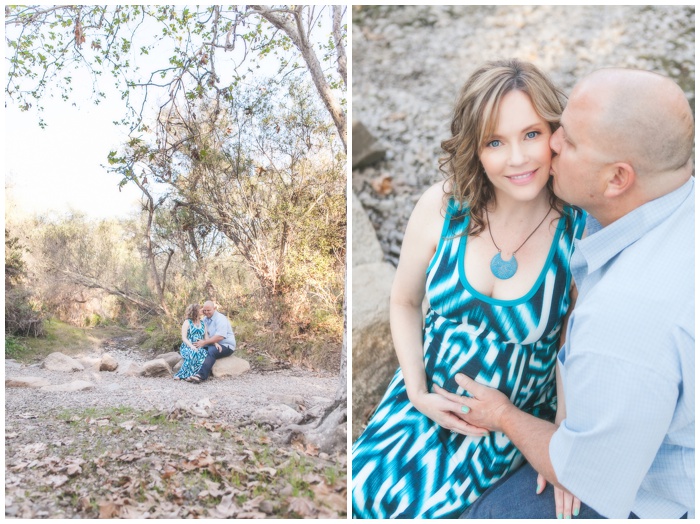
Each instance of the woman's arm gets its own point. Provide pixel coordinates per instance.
(185, 329)
(406, 315)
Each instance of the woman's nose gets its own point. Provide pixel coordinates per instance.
(518, 155)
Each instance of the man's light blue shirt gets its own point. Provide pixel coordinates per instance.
(219, 324)
(628, 366)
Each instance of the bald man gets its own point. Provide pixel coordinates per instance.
(626, 445)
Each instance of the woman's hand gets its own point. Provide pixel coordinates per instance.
(442, 411)
(481, 405)
(566, 505)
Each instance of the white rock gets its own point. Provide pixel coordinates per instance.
(172, 358)
(229, 367)
(76, 385)
(26, 382)
(277, 415)
(90, 362)
(108, 363)
(156, 368)
(202, 408)
(59, 362)
(131, 369)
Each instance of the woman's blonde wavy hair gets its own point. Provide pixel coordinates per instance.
(474, 121)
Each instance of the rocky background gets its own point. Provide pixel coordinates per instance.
(408, 64)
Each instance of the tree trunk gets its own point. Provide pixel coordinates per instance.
(330, 432)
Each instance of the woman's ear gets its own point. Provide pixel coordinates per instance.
(621, 178)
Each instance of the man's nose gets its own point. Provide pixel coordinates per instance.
(555, 140)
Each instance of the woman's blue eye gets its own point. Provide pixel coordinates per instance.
(493, 143)
(532, 134)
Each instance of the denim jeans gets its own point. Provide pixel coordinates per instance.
(515, 497)
(212, 355)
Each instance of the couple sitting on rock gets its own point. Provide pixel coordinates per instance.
(203, 341)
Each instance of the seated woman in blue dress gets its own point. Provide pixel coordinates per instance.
(490, 246)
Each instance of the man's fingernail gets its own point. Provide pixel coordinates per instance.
(465, 409)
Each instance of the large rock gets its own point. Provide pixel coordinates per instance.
(365, 246)
(277, 415)
(76, 385)
(90, 362)
(26, 382)
(172, 358)
(108, 363)
(156, 368)
(131, 369)
(59, 362)
(366, 150)
(373, 358)
(231, 366)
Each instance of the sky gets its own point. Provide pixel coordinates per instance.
(59, 168)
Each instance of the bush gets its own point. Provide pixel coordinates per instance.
(21, 319)
(14, 348)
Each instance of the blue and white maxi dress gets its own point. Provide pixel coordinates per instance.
(192, 358)
(404, 465)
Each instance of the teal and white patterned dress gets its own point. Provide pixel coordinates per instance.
(404, 465)
(192, 358)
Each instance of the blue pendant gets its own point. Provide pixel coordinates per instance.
(503, 269)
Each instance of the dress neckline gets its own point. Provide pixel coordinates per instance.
(512, 302)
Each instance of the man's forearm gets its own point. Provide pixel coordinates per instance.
(212, 340)
(531, 436)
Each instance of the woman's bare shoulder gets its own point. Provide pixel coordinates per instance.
(433, 199)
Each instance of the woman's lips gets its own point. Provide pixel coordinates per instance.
(522, 178)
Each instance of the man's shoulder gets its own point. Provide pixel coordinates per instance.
(220, 317)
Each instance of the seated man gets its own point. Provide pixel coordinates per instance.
(220, 334)
(626, 442)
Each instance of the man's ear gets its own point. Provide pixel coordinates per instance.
(621, 178)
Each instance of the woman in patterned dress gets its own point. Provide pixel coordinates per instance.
(491, 316)
(192, 330)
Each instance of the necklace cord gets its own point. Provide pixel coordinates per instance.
(488, 223)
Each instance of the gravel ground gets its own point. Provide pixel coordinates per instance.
(233, 399)
(136, 454)
(409, 62)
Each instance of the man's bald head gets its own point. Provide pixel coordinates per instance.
(208, 308)
(641, 118)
